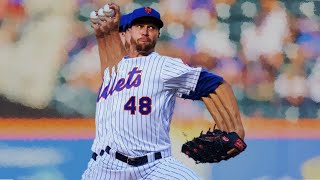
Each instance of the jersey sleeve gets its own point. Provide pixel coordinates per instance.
(207, 83)
(178, 76)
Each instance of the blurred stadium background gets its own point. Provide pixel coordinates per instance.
(268, 50)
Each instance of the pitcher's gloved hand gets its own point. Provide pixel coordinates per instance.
(214, 146)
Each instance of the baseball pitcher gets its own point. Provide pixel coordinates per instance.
(136, 101)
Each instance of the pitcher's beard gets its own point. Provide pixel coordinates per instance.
(144, 49)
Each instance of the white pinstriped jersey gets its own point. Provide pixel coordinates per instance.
(135, 106)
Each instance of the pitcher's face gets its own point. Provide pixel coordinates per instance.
(144, 35)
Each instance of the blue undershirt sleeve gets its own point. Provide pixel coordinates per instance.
(207, 83)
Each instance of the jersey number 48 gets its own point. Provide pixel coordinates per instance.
(144, 104)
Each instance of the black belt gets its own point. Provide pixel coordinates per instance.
(138, 161)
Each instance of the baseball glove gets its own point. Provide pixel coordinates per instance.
(214, 146)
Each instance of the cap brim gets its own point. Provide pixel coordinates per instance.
(157, 21)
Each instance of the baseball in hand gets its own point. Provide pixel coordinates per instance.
(108, 11)
(100, 13)
(94, 17)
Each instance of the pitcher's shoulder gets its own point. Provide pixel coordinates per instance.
(166, 58)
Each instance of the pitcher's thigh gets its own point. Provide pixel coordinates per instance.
(170, 168)
(106, 167)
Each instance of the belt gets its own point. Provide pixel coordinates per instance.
(138, 161)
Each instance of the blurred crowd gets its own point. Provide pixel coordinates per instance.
(268, 50)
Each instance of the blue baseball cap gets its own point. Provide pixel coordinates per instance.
(146, 12)
(124, 20)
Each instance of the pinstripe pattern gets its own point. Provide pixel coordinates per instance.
(150, 84)
(169, 168)
(166, 168)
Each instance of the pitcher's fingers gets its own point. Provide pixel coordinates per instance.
(104, 26)
(102, 29)
(214, 113)
(103, 18)
(222, 111)
(95, 27)
(116, 8)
